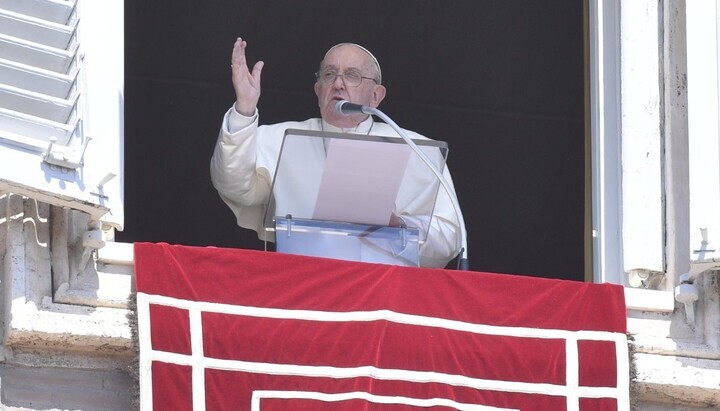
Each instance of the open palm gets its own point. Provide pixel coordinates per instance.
(246, 82)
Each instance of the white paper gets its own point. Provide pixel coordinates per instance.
(361, 181)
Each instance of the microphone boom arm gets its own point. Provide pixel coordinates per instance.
(462, 260)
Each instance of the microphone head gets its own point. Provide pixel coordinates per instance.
(339, 107)
(347, 108)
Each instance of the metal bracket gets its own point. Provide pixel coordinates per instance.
(687, 292)
(644, 278)
(288, 219)
(91, 240)
(72, 160)
(109, 176)
(704, 245)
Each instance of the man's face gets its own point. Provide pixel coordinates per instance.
(340, 60)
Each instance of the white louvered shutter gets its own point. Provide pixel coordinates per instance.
(61, 103)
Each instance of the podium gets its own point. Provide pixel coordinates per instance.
(353, 197)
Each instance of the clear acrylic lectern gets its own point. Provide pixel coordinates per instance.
(353, 197)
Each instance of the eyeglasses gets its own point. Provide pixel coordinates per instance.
(352, 78)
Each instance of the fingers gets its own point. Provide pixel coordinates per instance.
(238, 53)
(239, 64)
(245, 82)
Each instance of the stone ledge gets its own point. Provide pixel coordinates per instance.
(68, 327)
(649, 300)
(678, 380)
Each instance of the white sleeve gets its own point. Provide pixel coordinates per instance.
(233, 122)
(444, 232)
(233, 169)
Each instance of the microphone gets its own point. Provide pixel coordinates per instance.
(346, 108)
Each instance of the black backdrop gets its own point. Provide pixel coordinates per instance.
(500, 80)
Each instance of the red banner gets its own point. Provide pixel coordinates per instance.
(225, 329)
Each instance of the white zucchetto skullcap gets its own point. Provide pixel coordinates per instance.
(373, 60)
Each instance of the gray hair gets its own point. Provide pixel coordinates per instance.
(373, 60)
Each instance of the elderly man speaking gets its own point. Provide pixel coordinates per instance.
(243, 162)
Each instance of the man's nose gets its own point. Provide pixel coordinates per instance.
(339, 82)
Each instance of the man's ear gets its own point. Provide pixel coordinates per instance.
(316, 87)
(378, 95)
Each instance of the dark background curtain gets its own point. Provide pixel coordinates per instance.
(500, 80)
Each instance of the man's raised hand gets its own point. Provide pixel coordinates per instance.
(245, 82)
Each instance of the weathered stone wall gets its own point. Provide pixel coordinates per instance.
(65, 344)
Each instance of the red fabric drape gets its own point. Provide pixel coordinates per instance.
(300, 333)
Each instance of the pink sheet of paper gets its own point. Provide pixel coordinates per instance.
(361, 181)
